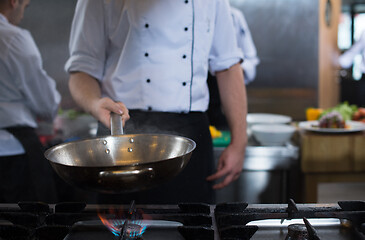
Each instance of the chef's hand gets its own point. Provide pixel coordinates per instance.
(229, 166)
(102, 108)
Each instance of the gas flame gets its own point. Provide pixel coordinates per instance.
(115, 221)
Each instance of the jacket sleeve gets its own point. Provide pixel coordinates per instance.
(346, 59)
(246, 44)
(224, 52)
(37, 87)
(88, 40)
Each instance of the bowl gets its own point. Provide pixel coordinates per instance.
(273, 134)
(266, 118)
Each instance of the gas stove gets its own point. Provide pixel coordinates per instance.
(226, 221)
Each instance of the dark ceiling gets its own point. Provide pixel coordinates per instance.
(357, 4)
(347, 2)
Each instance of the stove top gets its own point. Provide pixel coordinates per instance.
(226, 221)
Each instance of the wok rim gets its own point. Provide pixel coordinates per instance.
(54, 148)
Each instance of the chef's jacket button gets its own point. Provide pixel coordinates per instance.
(146, 25)
(186, 1)
(186, 29)
(149, 108)
(184, 83)
(146, 54)
(184, 56)
(148, 80)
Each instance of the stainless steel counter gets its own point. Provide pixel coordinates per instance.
(270, 174)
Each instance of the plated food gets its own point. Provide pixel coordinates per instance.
(332, 120)
(359, 115)
(341, 118)
(351, 126)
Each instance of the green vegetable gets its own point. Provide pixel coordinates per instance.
(344, 109)
(71, 114)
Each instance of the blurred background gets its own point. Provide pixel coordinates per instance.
(293, 41)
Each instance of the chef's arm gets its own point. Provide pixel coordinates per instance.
(234, 102)
(86, 92)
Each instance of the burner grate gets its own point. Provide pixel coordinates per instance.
(237, 215)
(226, 221)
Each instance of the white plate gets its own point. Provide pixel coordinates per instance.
(353, 126)
(267, 118)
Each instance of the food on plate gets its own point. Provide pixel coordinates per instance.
(332, 120)
(359, 115)
(334, 117)
(346, 110)
(313, 113)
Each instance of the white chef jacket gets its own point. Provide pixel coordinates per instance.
(347, 58)
(26, 91)
(246, 44)
(153, 55)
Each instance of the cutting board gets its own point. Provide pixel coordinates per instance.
(222, 141)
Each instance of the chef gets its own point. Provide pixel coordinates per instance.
(148, 61)
(27, 93)
(347, 58)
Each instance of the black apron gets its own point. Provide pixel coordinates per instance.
(37, 174)
(190, 185)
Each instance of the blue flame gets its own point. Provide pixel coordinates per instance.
(115, 227)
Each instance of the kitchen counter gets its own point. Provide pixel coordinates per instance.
(267, 173)
(331, 158)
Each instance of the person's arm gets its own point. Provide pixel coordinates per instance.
(233, 97)
(88, 43)
(86, 92)
(347, 58)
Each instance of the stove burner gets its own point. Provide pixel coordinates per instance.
(127, 228)
(312, 233)
(185, 221)
(131, 231)
(297, 232)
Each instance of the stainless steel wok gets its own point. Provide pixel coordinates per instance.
(121, 163)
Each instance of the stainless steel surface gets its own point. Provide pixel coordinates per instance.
(266, 158)
(116, 124)
(285, 33)
(121, 163)
(269, 175)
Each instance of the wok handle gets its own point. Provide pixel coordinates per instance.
(116, 124)
(127, 173)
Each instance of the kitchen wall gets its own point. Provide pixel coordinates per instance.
(287, 34)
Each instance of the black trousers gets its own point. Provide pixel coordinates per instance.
(15, 180)
(26, 177)
(190, 185)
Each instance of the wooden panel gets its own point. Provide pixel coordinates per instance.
(313, 179)
(328, 55)
(289, 101)
(328, 152)
(359, 154)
